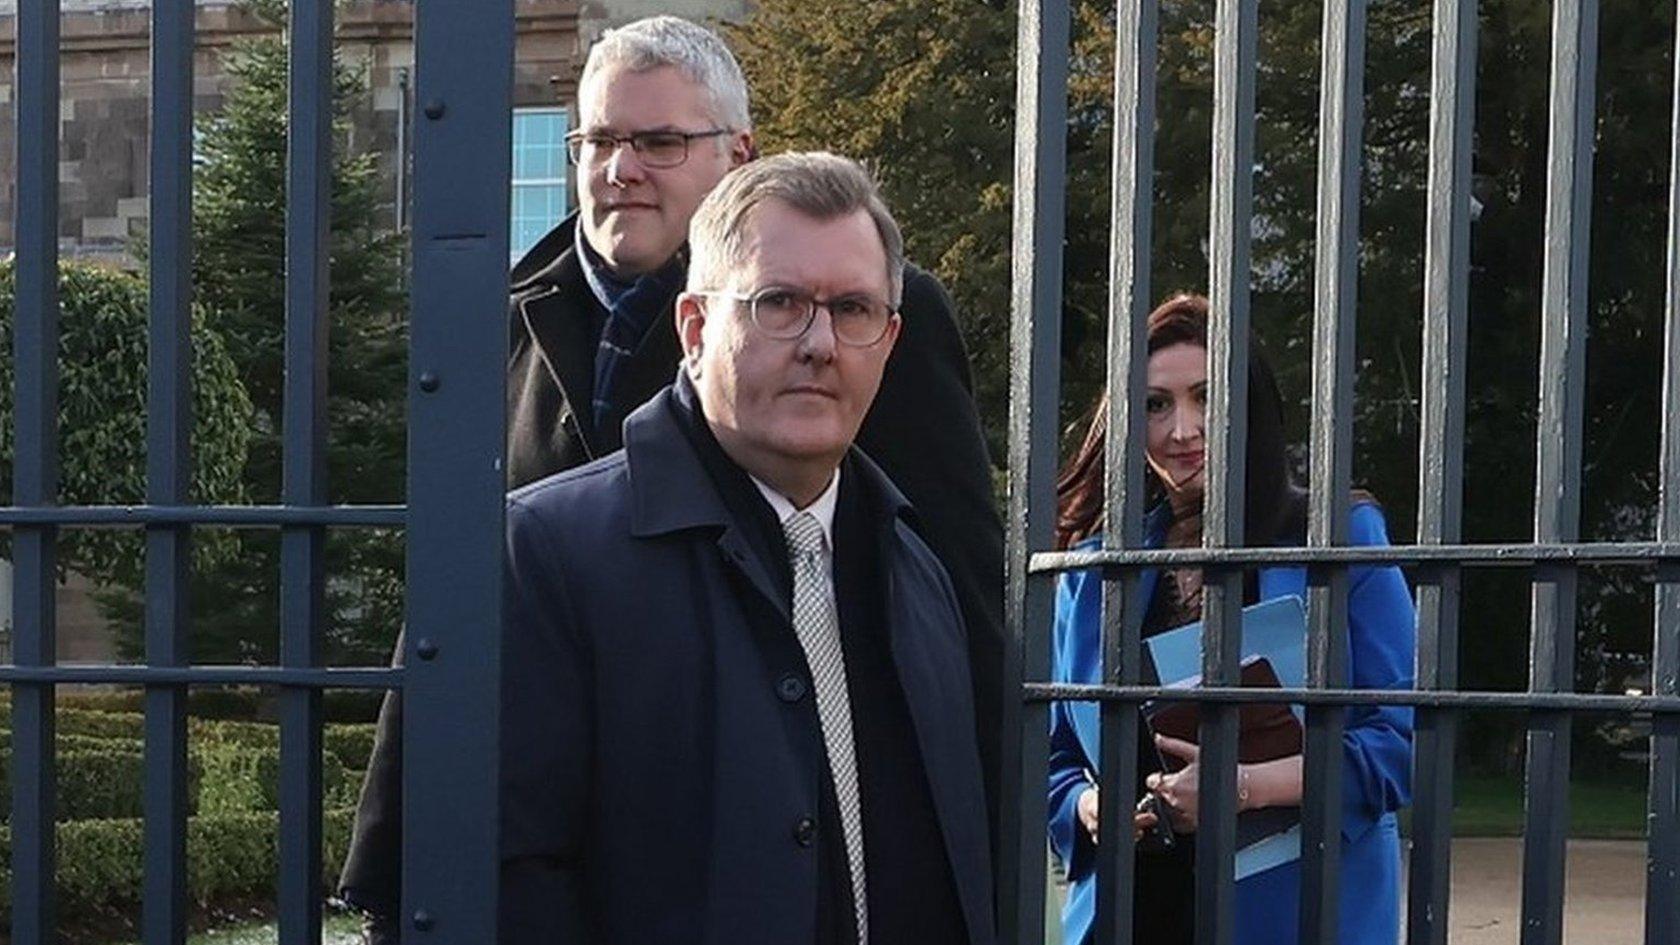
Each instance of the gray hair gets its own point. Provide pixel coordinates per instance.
(819, 184)
(690, 48)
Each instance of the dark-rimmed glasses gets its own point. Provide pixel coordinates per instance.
(859, 320)
(659, 149)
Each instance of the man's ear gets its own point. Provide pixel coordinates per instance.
(895, 326)
(690, 315)
(743, 149)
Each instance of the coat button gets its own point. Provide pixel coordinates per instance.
(804, 831)
(790, 688)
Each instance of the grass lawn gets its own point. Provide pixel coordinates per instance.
(1493, 807)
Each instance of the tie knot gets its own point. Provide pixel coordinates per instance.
(804, 533)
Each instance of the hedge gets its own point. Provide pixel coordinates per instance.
(100, 862)
(244, 703)
(222, 778)
(238, 778)
(97, 784)
(351, 744)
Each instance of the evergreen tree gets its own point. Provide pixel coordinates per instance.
(239, 207)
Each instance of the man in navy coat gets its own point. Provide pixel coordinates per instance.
(737, 705)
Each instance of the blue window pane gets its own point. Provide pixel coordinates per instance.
(539, 145)
(539, 176)
(536, 209)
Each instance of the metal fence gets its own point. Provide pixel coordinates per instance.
(455, 481)
(1439, 557)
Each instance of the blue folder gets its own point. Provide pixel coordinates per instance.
(1277, 630)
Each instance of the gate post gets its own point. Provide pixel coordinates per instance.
(456, 478)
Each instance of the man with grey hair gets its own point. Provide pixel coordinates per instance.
(662, 116)
(736, 705)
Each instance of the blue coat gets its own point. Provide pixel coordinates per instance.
(651, 793)
(1376, 773)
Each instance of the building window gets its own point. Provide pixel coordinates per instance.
(539, 175)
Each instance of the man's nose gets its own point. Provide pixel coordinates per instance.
(819, 343)
(623, 167)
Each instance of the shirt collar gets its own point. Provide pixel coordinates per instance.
(822, 508)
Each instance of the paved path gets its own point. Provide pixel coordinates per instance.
(1604, 892)
(1604, 895)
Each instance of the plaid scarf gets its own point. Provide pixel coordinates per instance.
(632, 307)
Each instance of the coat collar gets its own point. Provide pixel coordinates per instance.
(560, 313)
(669, 487)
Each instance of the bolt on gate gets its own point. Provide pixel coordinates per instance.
(1439, 557)
(453, 518)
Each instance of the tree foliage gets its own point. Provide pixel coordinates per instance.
(102, 414)
(239, 215)
(924, 91)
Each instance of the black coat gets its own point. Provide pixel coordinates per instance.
(654, 789)
(923, 431)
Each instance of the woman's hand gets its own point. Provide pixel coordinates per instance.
(1179, 789)
(1090, 818)
(1088, 812)
(1268, 784)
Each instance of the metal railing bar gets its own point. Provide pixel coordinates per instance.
(1340, 143)
(320, 677)
(168, 466)
(1662, 877)
(1042, 55)
(456, 471)
(233, 516)
(1458, 699)
(304, 474)
(1236, 32)
(1441, 458)
(1563, 328)
(1137, 28)
(1633, 553)
(35, 472)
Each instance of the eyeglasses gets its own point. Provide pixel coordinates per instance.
(859, 320)
(658, 149)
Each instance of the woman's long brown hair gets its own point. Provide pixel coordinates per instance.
(1275, 506)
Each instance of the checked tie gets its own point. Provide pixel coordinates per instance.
(817, 625)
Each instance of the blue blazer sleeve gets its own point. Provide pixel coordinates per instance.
(1382, 637)
(1073, 635)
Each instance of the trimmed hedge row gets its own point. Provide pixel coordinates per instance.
(243, 704)
(100, 862)
(98, 784)
(351, 744)
(221, 779)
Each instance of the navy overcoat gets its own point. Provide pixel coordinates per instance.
(652, 794)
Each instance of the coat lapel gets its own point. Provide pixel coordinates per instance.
(564, 334)
(925, 630)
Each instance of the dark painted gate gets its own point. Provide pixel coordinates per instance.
(1437, 561)
(453, 518)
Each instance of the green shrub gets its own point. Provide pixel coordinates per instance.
(230, 856)
(243, 703)
(238, 778)
(95, 784)
(81, 743)
(352, 744)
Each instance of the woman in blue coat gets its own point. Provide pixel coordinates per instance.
(1377, 744)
